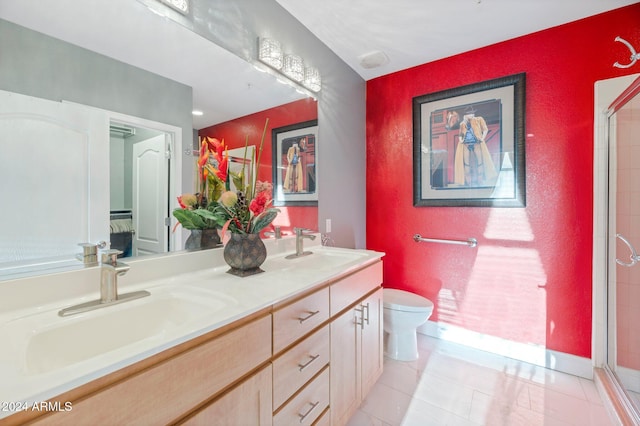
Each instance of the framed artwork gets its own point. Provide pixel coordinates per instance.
(294, 164)
(468, 145)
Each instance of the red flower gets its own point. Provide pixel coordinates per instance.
(203, 159)
(182, 205)
(259, 203)
(222, 169)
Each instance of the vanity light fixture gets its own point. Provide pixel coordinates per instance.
(312, 80)
(181, 6)
(290, 65)
(197, 112)
(293, 67)
(270, 52)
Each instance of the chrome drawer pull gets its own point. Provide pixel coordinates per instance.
(361, 319)
(304, 416)
(303, 319)
(306, 364)
(367, 308)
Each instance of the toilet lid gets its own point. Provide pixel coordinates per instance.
(401, 300)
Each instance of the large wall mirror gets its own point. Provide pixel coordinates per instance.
(132, 78)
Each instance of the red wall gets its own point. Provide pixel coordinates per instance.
(235, 132)
(529, 279)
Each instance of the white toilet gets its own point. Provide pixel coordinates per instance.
(404, 312)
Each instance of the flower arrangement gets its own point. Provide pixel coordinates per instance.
(245, 211)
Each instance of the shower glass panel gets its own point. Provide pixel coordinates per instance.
(624, 236)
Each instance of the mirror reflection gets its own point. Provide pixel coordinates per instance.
(139, 190)
(127, 169)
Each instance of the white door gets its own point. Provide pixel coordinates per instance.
(52, 165)
(150, 196)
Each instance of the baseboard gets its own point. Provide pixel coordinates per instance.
(533, 354)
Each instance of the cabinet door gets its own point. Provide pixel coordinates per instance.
(247, 404)
(372, 343)
(345, 364)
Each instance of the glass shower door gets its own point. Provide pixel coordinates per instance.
(624, 236)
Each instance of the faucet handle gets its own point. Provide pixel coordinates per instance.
(89, 249)
(110, 256)
(300, 231)
(276, 233)
(89, 254)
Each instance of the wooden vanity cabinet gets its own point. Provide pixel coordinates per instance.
(307, 360)
(356, 341)
(301, 359)
(324, 375)
(167, 390)
(249, 403)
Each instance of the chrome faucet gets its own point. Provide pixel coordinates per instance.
(110, 269)
(300, 236)
(276, 233)
(89, 256)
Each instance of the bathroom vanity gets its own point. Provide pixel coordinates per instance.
(300, 343)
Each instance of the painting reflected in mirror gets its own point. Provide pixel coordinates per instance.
(249, 129)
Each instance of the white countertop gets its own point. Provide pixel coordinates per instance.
(30, 306)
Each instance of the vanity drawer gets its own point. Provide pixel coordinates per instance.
(172, 388)
(351, 288)
(308, 405)
(324, 419)
(297, 319)
(299, 364)
(249, 404)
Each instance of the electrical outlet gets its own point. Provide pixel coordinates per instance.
(327, 226)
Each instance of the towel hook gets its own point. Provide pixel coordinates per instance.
(634, 255)
(634, 56)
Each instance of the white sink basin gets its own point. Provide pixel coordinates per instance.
(46, 342)
(321, 258)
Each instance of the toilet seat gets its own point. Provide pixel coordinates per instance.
(400, 300)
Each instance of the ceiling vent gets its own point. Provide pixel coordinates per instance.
(373, 60)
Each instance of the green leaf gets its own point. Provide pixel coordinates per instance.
(238, 179)
(211, 219)
(198, 219)
(263, 220)
(189, 219)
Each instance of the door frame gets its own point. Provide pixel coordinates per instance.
(174, 136)
(613, 394)
(606, 91)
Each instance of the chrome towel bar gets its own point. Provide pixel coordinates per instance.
(471, 242)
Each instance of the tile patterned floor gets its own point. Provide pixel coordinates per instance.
(455, 385)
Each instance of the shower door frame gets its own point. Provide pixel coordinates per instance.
(608, 93)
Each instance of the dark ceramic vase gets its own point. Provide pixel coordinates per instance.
(202, 239)
(244, 253)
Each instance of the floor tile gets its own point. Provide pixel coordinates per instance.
(360, 418)
(451, 384)
(421, 413)
(386, 404)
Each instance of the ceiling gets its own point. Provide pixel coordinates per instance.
(414, 32)
(409, 32)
